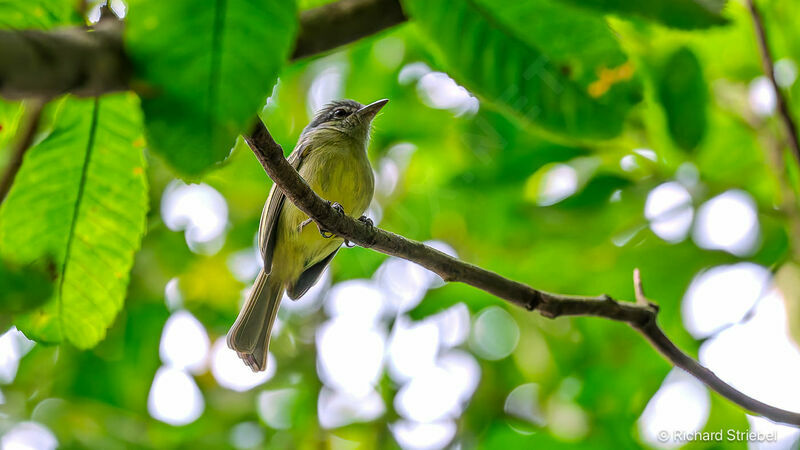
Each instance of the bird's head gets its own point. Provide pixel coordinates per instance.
(347, 117)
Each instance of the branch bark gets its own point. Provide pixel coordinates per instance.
(768, 64)
(46, 64)
(342, 22)
(90, 63)
(641, 315)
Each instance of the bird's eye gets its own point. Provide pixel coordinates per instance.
(340, 113)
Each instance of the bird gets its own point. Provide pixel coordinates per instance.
(331, 155)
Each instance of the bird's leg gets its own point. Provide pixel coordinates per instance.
(336, 207)
(303, 224)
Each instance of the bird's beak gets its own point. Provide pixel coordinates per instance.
(368, 112)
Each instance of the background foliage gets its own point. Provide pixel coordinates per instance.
(561, 144)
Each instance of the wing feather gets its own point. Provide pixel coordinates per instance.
(309, 277)
(267, 229)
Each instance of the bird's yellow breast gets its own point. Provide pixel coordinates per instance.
(337, 172)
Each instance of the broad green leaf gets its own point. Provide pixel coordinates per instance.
(682, 90)
(203, 71)
(558, 67)
(685, 14)
(41, 14)
(80, 198)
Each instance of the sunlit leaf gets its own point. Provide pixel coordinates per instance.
(203, 71)
(682, 90)
(675, 13)
(80, 198)
(556, 66)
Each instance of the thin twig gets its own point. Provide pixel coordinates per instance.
(640, 315)
(24, 139)
(769, 69)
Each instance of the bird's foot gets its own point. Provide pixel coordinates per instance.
(336, 207)
(303, 224)
(366, 221)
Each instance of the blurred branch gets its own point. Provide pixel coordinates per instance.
(641, 315)
(768, 65)
(342, 22)
(45, 64)
(37, 63)
(24, 141)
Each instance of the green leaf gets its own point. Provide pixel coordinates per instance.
(24, 288)
(40, 14)
(203, 72)
(686, 14)
(80, 198)
(10, 114)
(682, 90)
(556, 66)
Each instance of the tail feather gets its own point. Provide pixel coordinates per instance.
(249, 335)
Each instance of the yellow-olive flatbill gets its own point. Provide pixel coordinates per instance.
(331, 155)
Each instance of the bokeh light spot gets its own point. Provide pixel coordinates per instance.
(231, 373)
(174, 397)
(669, 210)
(184, 343)
(28, 436)
(728, 222)
(721, 296)
(681, 404)
(495, 333)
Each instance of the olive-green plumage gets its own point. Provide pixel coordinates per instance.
(331, 155)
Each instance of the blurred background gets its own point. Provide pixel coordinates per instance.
(382, 354)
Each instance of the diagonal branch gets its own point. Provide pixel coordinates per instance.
(641, 315)
(768, 65)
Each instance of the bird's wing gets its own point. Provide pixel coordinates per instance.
(267, 229)
(309, 277)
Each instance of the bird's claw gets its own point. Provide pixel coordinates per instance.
(366, 221)
(339, 209)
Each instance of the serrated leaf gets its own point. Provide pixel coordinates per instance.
(686, 14)
(682, 91)
(204, 70)
(558, 67)
(80, 198)
(40, 14)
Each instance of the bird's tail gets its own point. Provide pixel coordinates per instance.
(249, 335)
